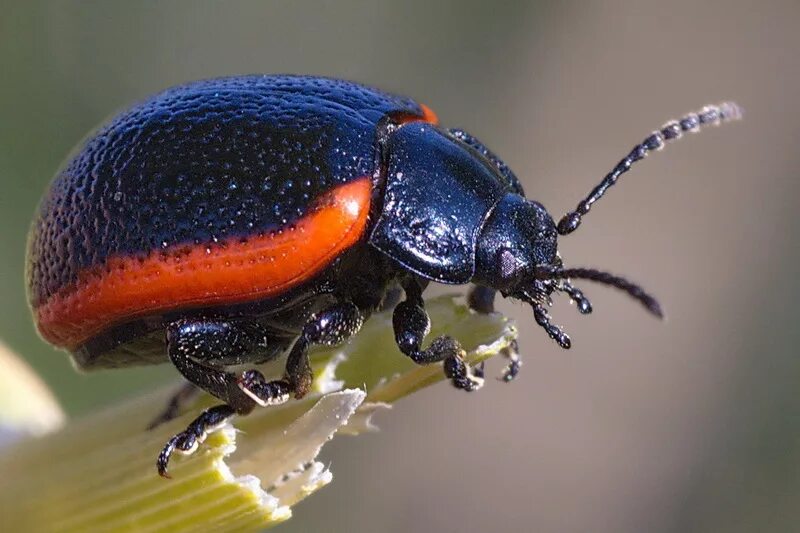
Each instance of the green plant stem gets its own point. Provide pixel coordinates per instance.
(98, 473)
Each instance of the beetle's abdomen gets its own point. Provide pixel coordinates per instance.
(220, 191)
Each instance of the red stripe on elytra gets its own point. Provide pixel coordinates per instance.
(428, 116)
(233, 271)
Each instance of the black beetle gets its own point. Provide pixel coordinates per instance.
(237, 218)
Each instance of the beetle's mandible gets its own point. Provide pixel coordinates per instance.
(229, 221)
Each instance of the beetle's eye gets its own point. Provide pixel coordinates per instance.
(508, 267)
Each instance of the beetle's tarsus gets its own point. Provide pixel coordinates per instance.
(187, 441)
(461, 375)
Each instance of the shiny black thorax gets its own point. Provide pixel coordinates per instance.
(452, 211)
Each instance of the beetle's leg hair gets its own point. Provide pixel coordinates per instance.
(481, 299)
(412, 324)
(187, 441)
(186, 394)
(331, 326)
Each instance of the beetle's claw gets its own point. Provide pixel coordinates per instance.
(186, 442)
(163, 458)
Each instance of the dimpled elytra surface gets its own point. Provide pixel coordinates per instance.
(198, 168)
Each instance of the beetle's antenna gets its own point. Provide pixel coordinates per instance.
(672, 130)
(633, 290)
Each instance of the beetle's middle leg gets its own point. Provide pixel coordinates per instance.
(199, 348)
(330, 326)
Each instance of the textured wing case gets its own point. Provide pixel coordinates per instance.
(185, 188)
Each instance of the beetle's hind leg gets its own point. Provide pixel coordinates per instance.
(331, 326)
(192, 344)
(412, 324)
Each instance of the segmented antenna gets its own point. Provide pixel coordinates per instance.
(672, 130)
(633, 290)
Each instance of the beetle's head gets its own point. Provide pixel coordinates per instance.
(518, 237)
(517, 252)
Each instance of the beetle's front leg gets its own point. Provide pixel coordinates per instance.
(412, 324)
(480, 299)
(331, 326)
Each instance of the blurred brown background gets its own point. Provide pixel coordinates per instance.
(688, 425)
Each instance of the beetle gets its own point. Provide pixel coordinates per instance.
(233, 220)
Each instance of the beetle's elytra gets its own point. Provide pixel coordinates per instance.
(228, 221)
